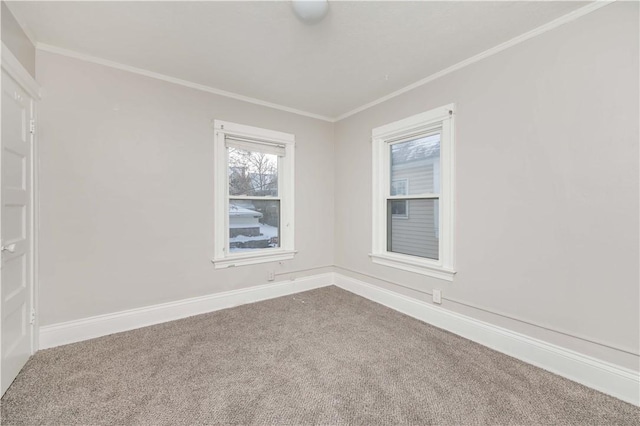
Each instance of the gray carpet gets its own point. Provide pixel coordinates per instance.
(321, 357)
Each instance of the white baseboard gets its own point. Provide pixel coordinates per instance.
(605, 377)
(611, 379)
(102, 325)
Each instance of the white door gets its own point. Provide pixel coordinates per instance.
(15, 231)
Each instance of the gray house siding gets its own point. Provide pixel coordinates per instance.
(416, 234)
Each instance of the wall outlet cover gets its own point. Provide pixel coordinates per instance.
(437, 296)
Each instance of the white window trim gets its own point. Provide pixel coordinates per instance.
(438, 118)
(286, 173)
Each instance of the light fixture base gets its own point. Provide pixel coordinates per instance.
(310, 11)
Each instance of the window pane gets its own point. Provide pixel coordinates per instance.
(253, 225)
(400, 209)
(399, 186)
(252, 173)
(417, 232)
(415, 166)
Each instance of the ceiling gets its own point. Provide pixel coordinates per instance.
(360, 52)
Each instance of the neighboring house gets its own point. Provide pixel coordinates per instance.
(415, 169)
(243, 221)
(249, 228)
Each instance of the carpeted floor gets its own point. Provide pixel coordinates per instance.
(321, 357)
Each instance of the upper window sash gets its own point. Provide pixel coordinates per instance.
(261, 147)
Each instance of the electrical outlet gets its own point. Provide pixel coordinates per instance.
(271, 276)
(437, 296)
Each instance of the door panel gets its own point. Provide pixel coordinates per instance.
(13, 170)
(13, 223)
(15, 231)
(14, 272)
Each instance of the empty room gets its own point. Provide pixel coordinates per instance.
(320, 212)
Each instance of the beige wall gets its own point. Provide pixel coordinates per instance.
(126, 190)
(547, 187)
(17, 41)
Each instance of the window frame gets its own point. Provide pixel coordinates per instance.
(383, 137)
(222, 257)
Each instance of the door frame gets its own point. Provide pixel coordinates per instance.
(17, 71)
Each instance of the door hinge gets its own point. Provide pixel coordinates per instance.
(33, 316)
(32, 126)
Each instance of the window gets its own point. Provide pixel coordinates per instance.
(413, 224)
(253, 195)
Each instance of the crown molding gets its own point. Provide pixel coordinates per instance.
(569, 17)
(158, 76)
(591, 7)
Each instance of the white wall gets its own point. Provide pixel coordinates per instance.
(547, 187)
(126, 181)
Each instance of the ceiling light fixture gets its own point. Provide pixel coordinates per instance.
(310, 11)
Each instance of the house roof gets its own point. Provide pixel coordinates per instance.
(237, 211)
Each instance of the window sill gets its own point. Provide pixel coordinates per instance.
(253, 258)
(417, 266)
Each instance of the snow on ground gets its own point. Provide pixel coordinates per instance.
(267, 232)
